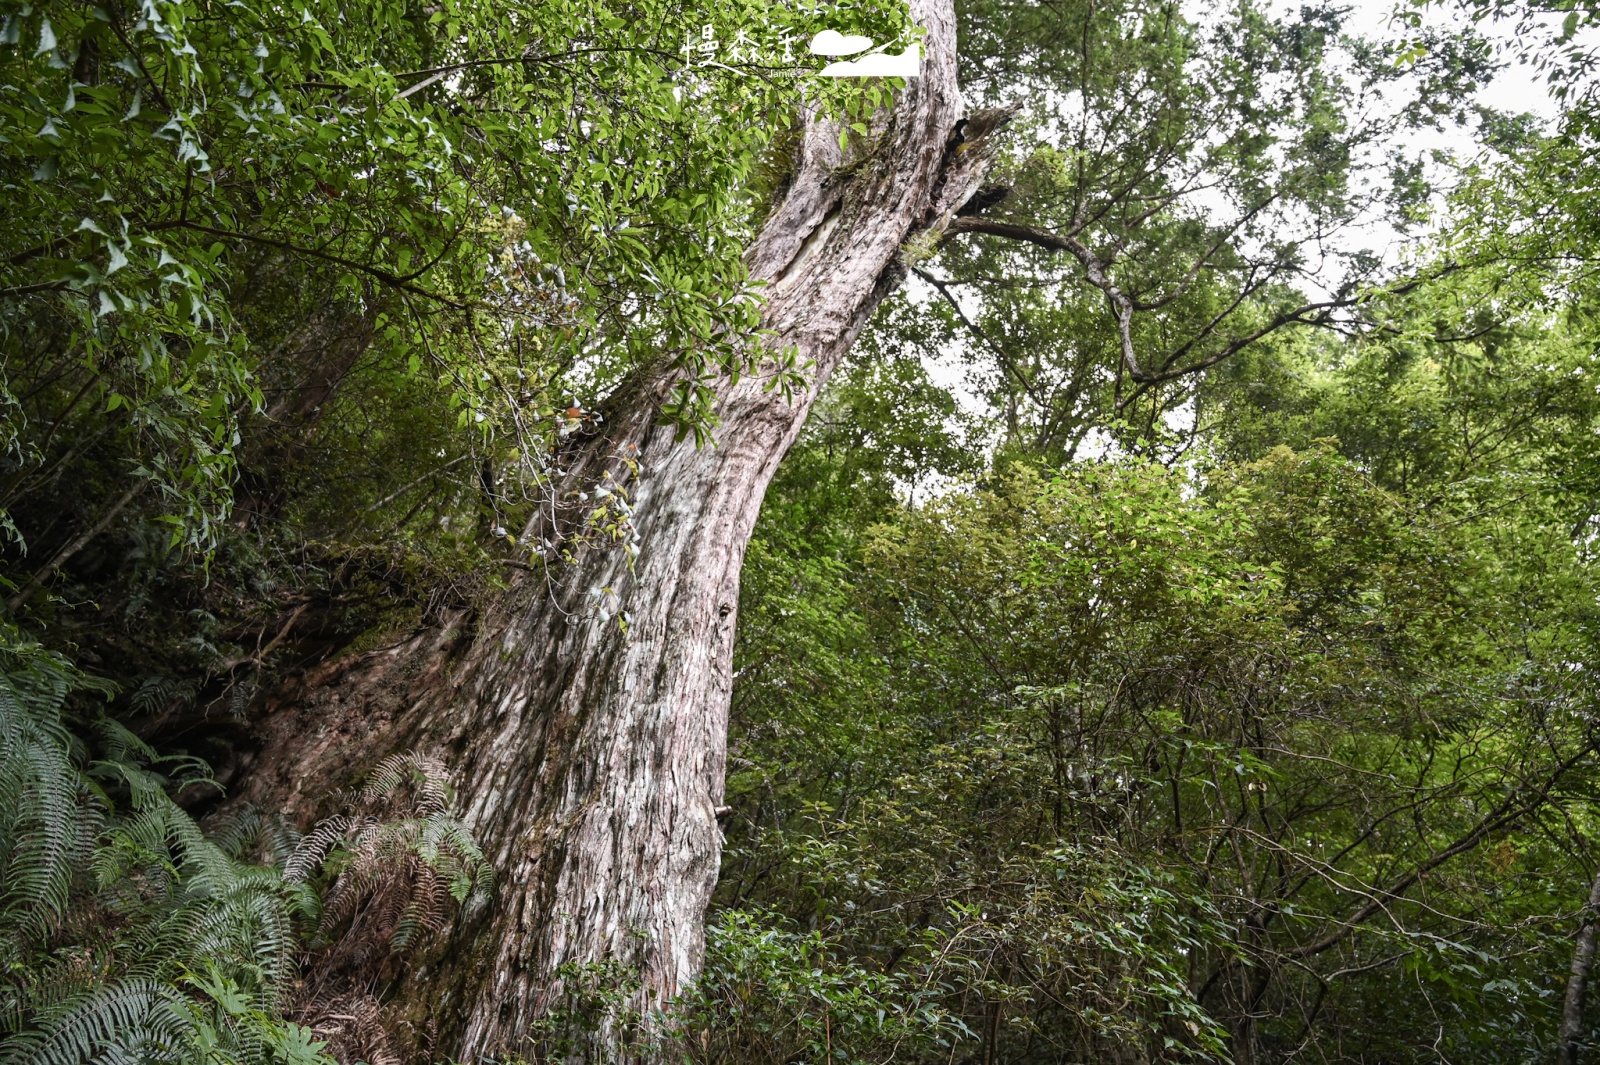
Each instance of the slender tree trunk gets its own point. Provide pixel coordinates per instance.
(591, 762)
(1567, 1045)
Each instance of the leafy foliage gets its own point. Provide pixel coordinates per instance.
(1200, 761)
(1199, 687)
(771, 993)
(219, 217)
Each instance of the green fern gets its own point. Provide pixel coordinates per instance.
(129, 933)
(48, 811)
(398, 863)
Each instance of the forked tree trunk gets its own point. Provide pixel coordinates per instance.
(591, 762)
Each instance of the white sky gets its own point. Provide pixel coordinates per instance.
(1515, 89)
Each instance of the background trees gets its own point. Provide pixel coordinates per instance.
(1253, 723)
(1140, 763)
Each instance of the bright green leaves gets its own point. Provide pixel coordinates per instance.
(1080, 728)
(538, 194)
(771, 993)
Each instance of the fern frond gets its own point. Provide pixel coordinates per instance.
(313, 847)
(425, 773)
(353, 1026)
(155, 694)
(236, 831)
(121, 745)
(121, 1015)
(134, 896)
(46, 840)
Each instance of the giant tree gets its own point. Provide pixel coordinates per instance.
(513, 204)
(581, 708)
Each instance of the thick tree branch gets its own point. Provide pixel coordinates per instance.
(1123, 306)
(394, 281)
(1094, 267)
(1006, 364)
(16, 602)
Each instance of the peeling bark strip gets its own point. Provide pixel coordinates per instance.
(591, 764)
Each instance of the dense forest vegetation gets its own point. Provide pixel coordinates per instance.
(1170, 637)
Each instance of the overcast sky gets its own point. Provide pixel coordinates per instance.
(1516, 89)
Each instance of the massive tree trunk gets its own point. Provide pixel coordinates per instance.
(590, 761)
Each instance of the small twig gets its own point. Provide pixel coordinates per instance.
(397, 493)
(425, 82)
(261, 653)
(17, 601)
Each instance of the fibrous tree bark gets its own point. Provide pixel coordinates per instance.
(590, 760)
